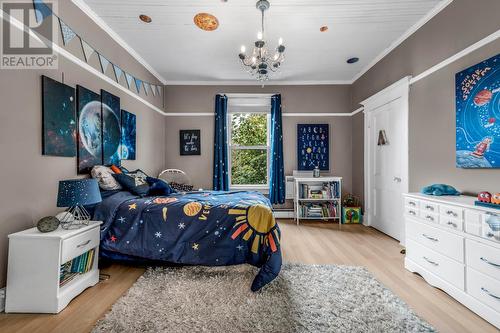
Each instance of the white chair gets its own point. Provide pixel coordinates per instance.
(175, 176)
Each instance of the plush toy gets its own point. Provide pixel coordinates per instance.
(440, 189)
(484, 197)
(495, 199)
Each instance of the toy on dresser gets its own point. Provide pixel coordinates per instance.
(486, 199)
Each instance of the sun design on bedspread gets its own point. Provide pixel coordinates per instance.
(258, 221)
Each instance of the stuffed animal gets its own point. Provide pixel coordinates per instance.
(440, 189)
(495, 199)
(484, 197)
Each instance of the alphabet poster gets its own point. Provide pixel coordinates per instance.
(313, 146)
(478, 115)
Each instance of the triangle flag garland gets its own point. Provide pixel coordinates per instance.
(118, 72)
(104, 62)
(88, 51)
(138, 84)
(129, 80)
(159, 90)
(153, 89)
(41, 10)
(67, 33)
(146, 87)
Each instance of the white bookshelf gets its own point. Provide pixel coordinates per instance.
(305, 187)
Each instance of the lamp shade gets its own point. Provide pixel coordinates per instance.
(78, 192)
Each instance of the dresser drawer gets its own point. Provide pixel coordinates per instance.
(81, 243)
(429, 206)
(438, 264)
(491, 226)
(483, 258)
(483, 288)
(429, 217)
(451, 223)
(411, 211)
(412, 203)
(451, 212)
(436, 239)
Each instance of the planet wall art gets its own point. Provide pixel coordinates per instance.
(89, 129)
(478, 115)
(127, 148)
(111, 128)
(59, 119)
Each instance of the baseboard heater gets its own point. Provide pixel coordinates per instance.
(284, 214)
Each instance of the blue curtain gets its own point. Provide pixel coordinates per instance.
(277, 174)
(220, 179)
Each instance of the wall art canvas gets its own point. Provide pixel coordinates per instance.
(190, 142)
(89, 129)
(128, 146)
(111, 128)
(58, 119)
(478, 115)
(313, 146)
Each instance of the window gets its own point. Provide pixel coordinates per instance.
(248, 134)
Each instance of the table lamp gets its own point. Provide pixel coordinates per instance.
(74, 194)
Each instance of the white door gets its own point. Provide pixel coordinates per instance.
(386, 177)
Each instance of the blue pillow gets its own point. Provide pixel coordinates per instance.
(159, 187)
(133, 182)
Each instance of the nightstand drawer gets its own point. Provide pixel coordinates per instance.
(74, 246)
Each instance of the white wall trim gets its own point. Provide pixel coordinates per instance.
(436, 10)
(318, 114)
(104, 26)
(305, 114)
(257, 83)
(19, 25)
(358, 110)
(189, 114)
(488, 39)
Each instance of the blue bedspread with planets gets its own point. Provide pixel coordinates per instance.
(198, 228)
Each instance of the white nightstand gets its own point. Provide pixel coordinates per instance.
(35, 260)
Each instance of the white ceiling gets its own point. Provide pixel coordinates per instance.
(181, 53)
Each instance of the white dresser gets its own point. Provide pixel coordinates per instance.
(450, 242)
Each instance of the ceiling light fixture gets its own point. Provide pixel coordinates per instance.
(206, 21)
(323, 28)
(260, 63)
(145, 18)
(352, 60)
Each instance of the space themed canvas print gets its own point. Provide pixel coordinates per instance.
(59, 119)
(89, 129)
(478, 115)
(111, 128)
(128, 136)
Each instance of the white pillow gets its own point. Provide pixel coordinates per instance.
(104, 177)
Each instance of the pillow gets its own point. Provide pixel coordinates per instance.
(123, 169)
(181, 187)
(134, 182)
(115, 169)
(159, 187)
(104, 177)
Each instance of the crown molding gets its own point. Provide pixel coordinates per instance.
(436, 10)
(257, 83)
(104, 26)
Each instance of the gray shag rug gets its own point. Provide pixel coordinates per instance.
(304, 298)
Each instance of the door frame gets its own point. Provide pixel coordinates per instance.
(397, 90)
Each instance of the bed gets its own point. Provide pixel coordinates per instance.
(207, 228)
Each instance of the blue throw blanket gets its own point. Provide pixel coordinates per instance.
(197, 228)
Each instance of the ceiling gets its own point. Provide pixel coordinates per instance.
(181, 53)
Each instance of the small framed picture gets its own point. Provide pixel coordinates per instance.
(190, 142)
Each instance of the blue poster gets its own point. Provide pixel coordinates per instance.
(312, 146)
(478, 115)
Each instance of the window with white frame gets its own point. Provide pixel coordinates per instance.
(248, 136)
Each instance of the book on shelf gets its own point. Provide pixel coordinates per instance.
(322, 210)
(79, 265)
(326, 190)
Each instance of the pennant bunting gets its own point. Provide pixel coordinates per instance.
(129, 80)
(138, 84)
(146, 87)
(104, 62)
(67, 33)
(41, 10)
(159, 90)
(118, 72)
(88, 51)
(153, 89)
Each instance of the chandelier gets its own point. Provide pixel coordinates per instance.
(260, 63)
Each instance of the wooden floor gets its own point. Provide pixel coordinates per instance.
(312, 243)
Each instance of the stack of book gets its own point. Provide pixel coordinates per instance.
(324, 210)
(79, 265)
(328, 190)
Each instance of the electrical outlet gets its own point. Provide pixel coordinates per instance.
(2, 300)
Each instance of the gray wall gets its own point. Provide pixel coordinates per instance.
(29, 180)
(295, 99)
(432, 100)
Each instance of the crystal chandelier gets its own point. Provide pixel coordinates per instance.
(261, 62)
